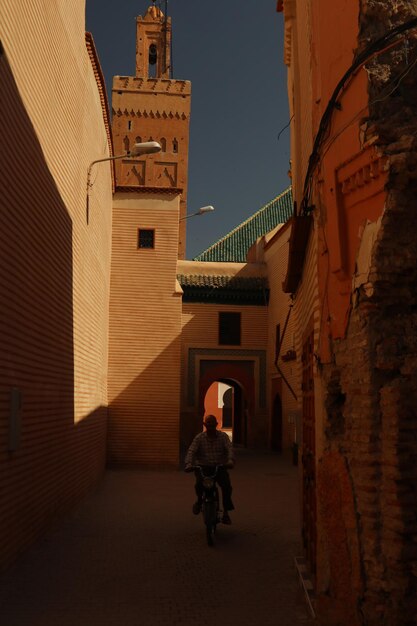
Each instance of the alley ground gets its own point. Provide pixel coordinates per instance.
(132, 554)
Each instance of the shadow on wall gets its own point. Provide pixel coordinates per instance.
(146, 425)
(46, 462)
(143, 421)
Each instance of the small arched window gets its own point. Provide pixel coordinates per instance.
(163, 143)
(138, 140)
(174, 145)
(153, 57)
(126, 143)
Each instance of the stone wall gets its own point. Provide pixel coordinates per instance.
(372, 384)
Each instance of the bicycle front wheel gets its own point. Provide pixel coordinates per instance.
(210, 519)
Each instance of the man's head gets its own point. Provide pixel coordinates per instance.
(210, 423)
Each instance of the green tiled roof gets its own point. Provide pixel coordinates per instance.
(234, 246)
(224, 289)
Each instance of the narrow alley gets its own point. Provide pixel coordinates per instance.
(132, 554)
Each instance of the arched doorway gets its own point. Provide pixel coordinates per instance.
(225, 399)
(238, 376)
(276, 426)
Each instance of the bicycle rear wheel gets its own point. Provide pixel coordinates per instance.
(210, 519)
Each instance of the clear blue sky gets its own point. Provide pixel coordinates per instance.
(232, 52)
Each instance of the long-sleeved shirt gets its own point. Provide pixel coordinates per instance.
(206, 450)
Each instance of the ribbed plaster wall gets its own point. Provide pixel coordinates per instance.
(145, 328)
(200, 333)
(54, 274)
(276, 257)
(200, 327)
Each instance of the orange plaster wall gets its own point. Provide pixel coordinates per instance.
(351, 176)
(211, 404)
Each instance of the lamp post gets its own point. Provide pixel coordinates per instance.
(204, 209)
(147, 147)
(139, 149)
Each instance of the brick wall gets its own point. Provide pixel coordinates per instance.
(54, 275)
(371, 387)
(145, 327)
(199, 340)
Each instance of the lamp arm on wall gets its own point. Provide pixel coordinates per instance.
(139, 149)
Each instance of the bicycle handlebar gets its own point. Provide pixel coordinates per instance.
(192, 468)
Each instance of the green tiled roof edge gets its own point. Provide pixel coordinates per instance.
(234, 246)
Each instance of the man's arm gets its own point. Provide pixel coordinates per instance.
(192, 451)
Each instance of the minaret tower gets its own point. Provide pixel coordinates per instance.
(153, 106)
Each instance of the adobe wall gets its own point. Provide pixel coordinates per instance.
(155, 109)
(199, 344)
(144, 332)
(54, 270)
(281, 311)
(372, 386)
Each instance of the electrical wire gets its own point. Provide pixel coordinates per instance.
(398, 80)
(323, 130)
(284, 127)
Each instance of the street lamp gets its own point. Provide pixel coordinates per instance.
(139, 149)
(147, 147)
(204, 209)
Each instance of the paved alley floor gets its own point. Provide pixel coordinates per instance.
(132, 554)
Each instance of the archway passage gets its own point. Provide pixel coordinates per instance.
(237, 378)
(276, 427)
(224, 399)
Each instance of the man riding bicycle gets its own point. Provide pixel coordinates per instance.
(208, 449)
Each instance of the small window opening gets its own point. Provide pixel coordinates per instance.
(175, 146)
(146, 238)
(126, 143)
(153, 56)
(229, 329)
(129, 125)
(138, 140)
(163, 143)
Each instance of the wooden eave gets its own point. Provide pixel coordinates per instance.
(142, 189)
(278, 234)
(300, 233)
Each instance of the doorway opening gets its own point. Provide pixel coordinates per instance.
(224, 400)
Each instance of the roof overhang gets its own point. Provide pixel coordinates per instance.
(142, 189)
(300, 233)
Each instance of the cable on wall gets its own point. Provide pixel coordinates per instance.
(377, 46)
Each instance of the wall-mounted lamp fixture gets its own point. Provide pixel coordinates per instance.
(147, 147)
(139, 149)
(204, 209)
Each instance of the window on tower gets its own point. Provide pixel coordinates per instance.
(153, 54)
(146, 238)
(153, 57)
(163, 143)
(175, 146)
